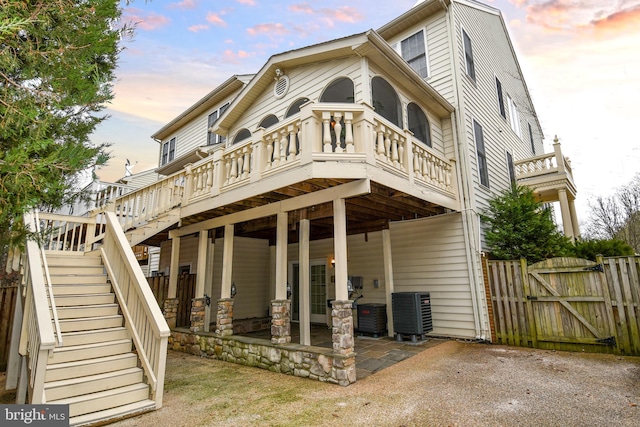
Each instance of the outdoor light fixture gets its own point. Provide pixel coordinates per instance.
(207, 300)
(288, 290)
(234, 290)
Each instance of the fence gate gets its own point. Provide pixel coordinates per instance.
(570, 305)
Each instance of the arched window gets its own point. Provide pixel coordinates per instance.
(268, 121)
(242, 135)
(295, 107)
(339, 90)
(418, 123)
(386, 101)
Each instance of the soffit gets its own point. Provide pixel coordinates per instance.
(412, 17)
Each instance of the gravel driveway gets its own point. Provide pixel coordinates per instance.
(451, 384)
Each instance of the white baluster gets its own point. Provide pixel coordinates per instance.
(247, 163)
(380, 145)
(348, 133)
(337, 128)
(269, 154)
(326, 137)
(401, 153)
(394, 151)
(293, 151)
(387, 147)
(239, 164)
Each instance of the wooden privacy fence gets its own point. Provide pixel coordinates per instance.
(185, 292)
(7, 307)
(567, 304)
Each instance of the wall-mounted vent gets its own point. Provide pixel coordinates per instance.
(281, 87)
(411, 314)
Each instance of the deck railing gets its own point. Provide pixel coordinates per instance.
(320, 132)
(545, 164)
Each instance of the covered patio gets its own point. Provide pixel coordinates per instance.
(372, 354)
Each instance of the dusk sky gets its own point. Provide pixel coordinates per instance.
(580, 59)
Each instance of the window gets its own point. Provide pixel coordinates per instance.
(339, 90)
(512, 170)
(481, 153)
(295, 107)
(468, 56)
(268, 121)
(533, 146)
(386, 101)
(168, 151)
(514, 117)
(413, 50)
(503, 113)
(214, 138)
(242, 135)
(418, 123)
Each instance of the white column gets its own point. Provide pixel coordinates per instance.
(388, 278)
(574, 218)
(208, 285)
(340, 248)
(281, 256)
(566, 215)
(173, 269)
(201, 266)
(304, 283)
(227, 262)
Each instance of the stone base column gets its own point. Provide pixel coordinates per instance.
(171, 311)
(342, 329)
(281, 321)
(198, 306)
(224, 317)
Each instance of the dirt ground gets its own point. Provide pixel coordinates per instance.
(451, 384)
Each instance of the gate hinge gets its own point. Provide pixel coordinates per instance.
(597, 267)
(532, 298)
(611, 341)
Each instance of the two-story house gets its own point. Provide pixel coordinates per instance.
(352, 168)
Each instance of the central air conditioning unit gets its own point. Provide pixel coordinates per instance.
(372, 319)
(411, 314)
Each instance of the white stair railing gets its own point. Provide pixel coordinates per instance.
(37, 339)
(143, 317)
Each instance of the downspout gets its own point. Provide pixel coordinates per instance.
(468, 213)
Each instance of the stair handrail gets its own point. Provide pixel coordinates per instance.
(37, 339)
(143, 318)
(129, 320)
(47, 277)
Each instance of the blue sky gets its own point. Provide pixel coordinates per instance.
(580, 58)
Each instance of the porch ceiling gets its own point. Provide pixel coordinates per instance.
(366, 213)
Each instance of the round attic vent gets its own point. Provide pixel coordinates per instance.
(281, 87)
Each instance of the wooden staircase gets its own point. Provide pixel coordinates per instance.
(96, 370)
(149, 229)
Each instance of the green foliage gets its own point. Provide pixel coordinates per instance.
(57, 62)
(519, 227)
(588, 249)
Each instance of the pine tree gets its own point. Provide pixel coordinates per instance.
(520, 227)
(57, 62)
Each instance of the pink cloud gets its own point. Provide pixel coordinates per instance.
(235, 57)
(198, 27)
(270, 29)
(184, 4)
(215, 19)
(247, 2)
(626, 19)
(341, 14)
(149, 22)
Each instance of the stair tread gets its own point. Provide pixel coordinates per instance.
(113, 413)
(90, 318)
(87, 346)
(93, 331)
(77, 363)
(90, 378)
(98, 395)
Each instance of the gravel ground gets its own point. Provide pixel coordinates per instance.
(452, 384)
